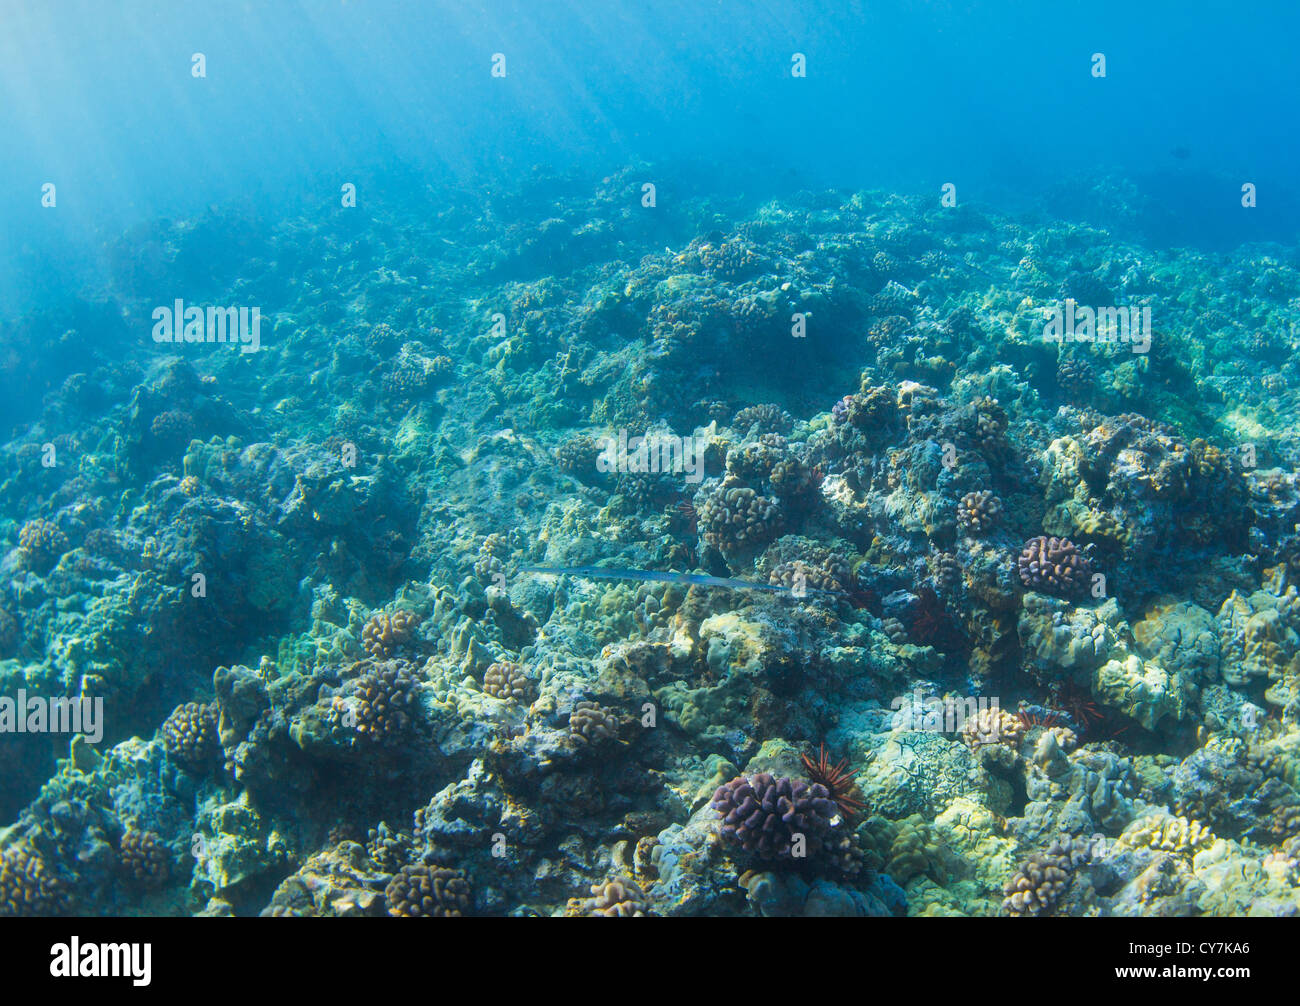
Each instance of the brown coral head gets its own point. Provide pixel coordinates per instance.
(619, 898)
(28, 887)
(40, 543)
(507, 681)
(382, 701)
(592, 723)
(979, 512)
(143, 857)
(190, 736)
(421, 891)
(735, 518)
(384, 634)
(172, 428)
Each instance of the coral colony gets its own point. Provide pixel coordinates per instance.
(810, 555)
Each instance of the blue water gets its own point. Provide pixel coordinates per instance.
(996, 98)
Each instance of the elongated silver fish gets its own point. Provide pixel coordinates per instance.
(607, 573)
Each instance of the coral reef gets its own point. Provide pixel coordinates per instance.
(391, 634)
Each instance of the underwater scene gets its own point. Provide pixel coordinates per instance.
(558, 459)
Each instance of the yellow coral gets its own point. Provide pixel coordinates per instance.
(1167, 834)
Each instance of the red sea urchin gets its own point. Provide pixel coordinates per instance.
(1087, 716)
(931, 624)
(836, 780)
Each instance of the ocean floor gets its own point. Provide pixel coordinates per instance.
(1034, 647)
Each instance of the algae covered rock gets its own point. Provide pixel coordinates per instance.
(236, 843)
(1181, 636)
(1143, 691)
(1060, 637)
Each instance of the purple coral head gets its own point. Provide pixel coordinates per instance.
(763, 814)
(1054, 566)
(840, 410)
